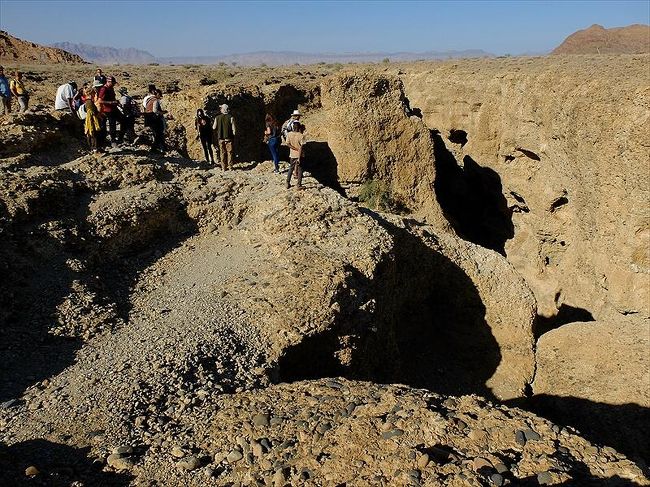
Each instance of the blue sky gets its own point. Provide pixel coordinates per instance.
(193, 28)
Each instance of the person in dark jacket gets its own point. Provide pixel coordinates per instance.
(203, 125)
(224, 133)
(128, 110)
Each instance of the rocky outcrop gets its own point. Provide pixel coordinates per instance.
(598, 369)
(372, 136)
(338, 431)
(562, 183)
(39, 134)
(14, 50)
(632, 39)
(148, 303)
(600, 361)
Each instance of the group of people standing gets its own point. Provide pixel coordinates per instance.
(292, 134)
(222, 130)
(107, 117)
(14, 88)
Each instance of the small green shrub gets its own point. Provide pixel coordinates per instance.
(375, 194)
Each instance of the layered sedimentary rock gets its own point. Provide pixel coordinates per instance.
(371, 134)
(565, 146)
(148, 303)
(598, 369)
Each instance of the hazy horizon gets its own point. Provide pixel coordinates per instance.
(203, 28)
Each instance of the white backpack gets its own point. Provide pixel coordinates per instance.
(81, 111)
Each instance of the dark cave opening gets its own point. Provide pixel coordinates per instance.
(471, 198)
(458, 137)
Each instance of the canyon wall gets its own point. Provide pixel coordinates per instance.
(568, 140)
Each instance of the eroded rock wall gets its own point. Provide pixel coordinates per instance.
(371, 134)
(568, 141)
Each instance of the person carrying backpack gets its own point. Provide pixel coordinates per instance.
(289, 124)
(129, 112)
(17, 87)
(156, 121)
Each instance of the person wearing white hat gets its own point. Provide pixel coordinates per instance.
(288, 125)
(224, 133)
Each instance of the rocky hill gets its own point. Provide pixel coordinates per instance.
(107, 55)
(633, 39)
(430, 310)
(14, 50)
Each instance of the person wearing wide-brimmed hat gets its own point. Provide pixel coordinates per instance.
(289, 124)
(296, 143)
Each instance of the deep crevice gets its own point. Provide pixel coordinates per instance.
(528, 153)
(471, 198)
(321, 163)
(431, 334)
(558, 203)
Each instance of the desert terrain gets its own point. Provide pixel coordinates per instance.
(460, 296)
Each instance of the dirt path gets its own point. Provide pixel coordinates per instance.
(185, 336)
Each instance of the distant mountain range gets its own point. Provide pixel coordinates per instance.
(633, 39)
(111, 55)
(594, 40)
(275, 58)
(107, 55)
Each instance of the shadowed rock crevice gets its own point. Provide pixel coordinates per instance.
(457, 136)
(58, 465)
(566, 314)
(426, 328)
(471, 198)
(624, 427)
(321, 163)
(248, 109)
(287, 99)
